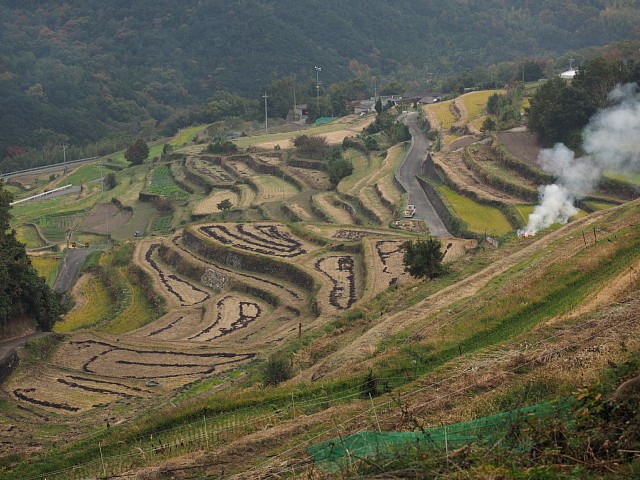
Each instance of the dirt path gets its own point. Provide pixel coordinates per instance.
(367, 343)
(456, 170)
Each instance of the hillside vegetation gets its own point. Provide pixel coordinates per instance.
(77, 72)
(248, 313)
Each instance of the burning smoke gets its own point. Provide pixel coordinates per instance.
(612, 143)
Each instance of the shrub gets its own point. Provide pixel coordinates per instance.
(277, 370)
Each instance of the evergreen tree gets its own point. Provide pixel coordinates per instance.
(137, 153)
(22, 292)
(423, 258)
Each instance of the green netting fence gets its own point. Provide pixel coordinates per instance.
(332, 455)
(324, 120)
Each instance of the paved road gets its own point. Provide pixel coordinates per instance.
(73, 260)
(411, 167)
(7, 348)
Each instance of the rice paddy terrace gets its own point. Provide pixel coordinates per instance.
(171, 325)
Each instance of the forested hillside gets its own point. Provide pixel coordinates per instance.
(79, 71)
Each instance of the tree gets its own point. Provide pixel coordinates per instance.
(110, 181)
(137, 153)
(22, 292)
(379, 106)
(225, 205)
(423, 258)
(312, 146)
(221, 145)
(489, 125)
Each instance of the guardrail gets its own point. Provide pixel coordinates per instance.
(44, 167)
(40, 195)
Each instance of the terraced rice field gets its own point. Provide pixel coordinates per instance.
(479, 218)
(441, 114)
(92, 305)
(266, 239)
(476, 102)
(86, 373)
(232, 313)
(271, 188)
(325, 202)
(28, 234)
(210, 204)
(340, 271)
(184, 291)
(47, 267)
(204, 166)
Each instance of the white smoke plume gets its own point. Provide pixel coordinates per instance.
(612, 143)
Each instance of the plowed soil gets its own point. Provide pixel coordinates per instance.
(521, 144)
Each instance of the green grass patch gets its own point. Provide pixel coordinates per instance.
(28, 235)
(479, 218)
(185, 135)
(82, 175)
(161, 224)
(596, 206)
(47, 267)
(624, 177)
(162, 183)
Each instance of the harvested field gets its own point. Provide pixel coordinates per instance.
(522, 144)
(281, 290)
(385, 264)
(186, 292)
(461, 143)
(333, 138)
(266, 239)
(300, 211)
(210, 204)
(467, 181)
(62, 392)
(455, 248)
(340, 270)
(115, 360)
(339, 215)
(208, 170)
(351, 234)
(272, 188)
(315, 179)
(178, 324)
(232, 313)
(104, 217)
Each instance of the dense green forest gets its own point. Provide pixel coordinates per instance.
(83, 71)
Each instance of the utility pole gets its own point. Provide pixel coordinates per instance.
(318, 70)
(266, 119)
(101, 180)
(64, 155)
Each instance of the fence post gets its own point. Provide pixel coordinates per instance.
(104, 470)
(206, 436)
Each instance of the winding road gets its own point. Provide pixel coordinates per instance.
(410, 167)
